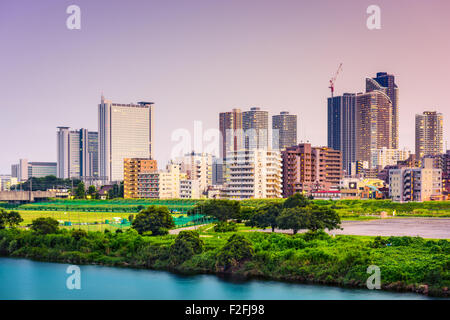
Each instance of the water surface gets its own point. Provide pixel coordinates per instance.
(29, 280)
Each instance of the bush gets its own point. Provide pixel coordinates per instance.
(236, 251)
(45, 225)
(224, 226)
(186, 245)
(78, 234)
(158, 220)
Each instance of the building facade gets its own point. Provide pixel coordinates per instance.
(429, 134)
(198, 166)
(77, 153)
(190, 189)
(231, 130)
(25, 170)
(307, 169)
(342, 127)
(415, 184)
(284, 130)
(132, 168)
(253, 174)
(380, 158)
(255, 124)
(125, 131)
(386, 83)
(373, 123)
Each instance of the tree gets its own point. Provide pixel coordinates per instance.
(80, 191)
(44, 225)
(222, 210)
(236, 251)
(312, 217)
(11, 219)
(78, 234)
(292, 218)
(116, 191)
(266, 216)
(296, 200)
(186, 245)
(92, 190)
(320, 218)
(155, 219)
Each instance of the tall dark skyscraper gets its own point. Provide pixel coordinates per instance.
(386, 83)
(342, 127)
(230, 125)
(256, 129)
(284, 130)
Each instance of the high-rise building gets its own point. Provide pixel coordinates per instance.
(386, 83)
(284, 130)
(373, 123)
(77, 153)
(253, 173)
(328, 167)
(255, 124)
(230, 125)
(132, 168)
(307, 168)
(342, 127)
(429, 134)
(125, 131)
(298, 169)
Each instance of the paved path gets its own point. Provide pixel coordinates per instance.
(177, 231)
(432, 228)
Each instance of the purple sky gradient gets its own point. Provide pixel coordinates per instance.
(197, 58)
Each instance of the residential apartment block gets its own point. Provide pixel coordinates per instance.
(253, 174)
(132, 168)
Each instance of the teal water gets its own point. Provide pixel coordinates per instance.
(29, 280)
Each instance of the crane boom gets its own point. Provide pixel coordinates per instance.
(333, 80)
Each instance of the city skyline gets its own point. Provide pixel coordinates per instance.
(67, 70)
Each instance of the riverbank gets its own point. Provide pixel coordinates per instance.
(407, 264)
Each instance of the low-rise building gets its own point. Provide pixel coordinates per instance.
(132, 168)
(415, 184)
(190, 189)
(362, 188)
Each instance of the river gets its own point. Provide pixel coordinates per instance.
(22, 279)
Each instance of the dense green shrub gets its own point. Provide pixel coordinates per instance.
(186, 245)
(237, 250)
(224, 226)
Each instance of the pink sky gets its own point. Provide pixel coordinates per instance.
(197, 58)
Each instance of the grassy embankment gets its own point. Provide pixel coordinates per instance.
(407, 264)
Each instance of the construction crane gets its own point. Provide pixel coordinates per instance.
(333, 80)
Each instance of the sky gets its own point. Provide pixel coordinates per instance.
(197, 58)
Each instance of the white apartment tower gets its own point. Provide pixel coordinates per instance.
(253, 174)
